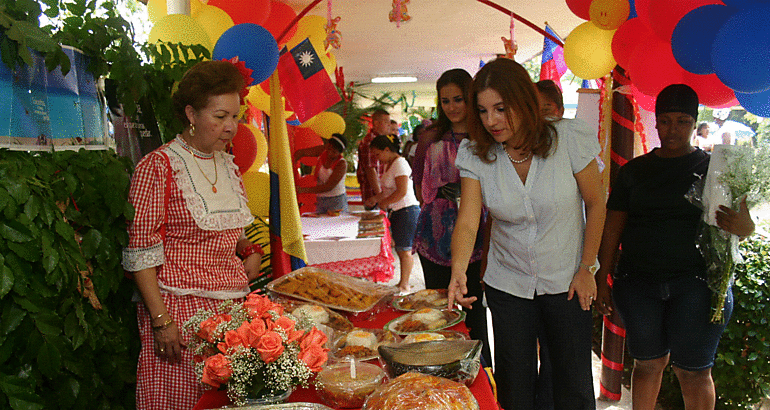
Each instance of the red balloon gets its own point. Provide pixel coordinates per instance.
(244, 148)
(644, 100)
(712, 92)
(580, 8)
(654, 68)
(281, 15)
(731, 103)
(627, 37)
(664, 14)
(244, 11)
(643, 10)
(305, 138)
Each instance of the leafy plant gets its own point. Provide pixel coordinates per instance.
(68, 333)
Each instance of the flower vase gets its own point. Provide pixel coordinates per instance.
(279, 397)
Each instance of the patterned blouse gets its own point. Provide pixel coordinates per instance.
(433, 238)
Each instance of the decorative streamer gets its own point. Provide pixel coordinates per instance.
(510, 44)
(333, 36)
(399, 12)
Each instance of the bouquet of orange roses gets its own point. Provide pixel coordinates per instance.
(254, 349)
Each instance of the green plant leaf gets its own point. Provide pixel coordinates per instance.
(6, 280)
(20, 394)
(11, 317)
(49, 360)
(48, 323)
(26, 252)
(15, 231)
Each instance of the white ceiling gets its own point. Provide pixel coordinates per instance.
(442, 34)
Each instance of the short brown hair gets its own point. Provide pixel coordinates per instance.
(204, 80)
(512, 82)
(551, 91)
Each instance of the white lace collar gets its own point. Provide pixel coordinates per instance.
(225, 209)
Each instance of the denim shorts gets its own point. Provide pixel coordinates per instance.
(403, 225)
(671, 317)
(325, 204)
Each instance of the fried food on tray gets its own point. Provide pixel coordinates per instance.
(318, 287)
(362, 343)
(426, 298)
(321, 315)
(415, 391)
(423, 320)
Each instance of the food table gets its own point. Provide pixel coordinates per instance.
(334, 243)
(481, 387)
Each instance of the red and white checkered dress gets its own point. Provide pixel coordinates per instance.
(189, 233)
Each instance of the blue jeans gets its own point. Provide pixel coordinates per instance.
(566, 329)
(403, 225)
(671, 317)
(325, 204)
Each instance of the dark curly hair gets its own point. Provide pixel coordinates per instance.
(391, 142)
(204, 80)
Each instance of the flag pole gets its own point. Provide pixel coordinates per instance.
(296, 19)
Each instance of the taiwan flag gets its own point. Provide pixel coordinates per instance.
(552, 66)
(305, 82)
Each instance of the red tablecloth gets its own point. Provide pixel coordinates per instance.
(481, 387)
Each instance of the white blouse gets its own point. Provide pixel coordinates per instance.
(537, 227)
(398, 168)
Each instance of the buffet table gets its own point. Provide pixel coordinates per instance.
(481, 387)
(332, 243)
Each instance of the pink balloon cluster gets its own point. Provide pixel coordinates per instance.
(720, 49)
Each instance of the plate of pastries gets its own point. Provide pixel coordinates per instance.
(425, 320)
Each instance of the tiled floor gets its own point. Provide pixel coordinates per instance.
(418, 282)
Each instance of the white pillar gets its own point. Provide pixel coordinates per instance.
(178, 7)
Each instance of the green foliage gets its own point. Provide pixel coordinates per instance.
(742, 371)
(63, 225)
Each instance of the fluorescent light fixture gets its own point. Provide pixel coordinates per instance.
(395, 79)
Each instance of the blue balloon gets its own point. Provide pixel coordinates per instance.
(755, 103)
(632, 13)
(694, 35)
(743, 3)
(741, 52)
(253, 45)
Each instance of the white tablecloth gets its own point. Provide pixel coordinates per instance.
(333, 239)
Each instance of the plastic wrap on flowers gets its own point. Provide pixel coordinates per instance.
(416, 391)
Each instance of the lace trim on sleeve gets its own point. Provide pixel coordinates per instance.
(136, 259)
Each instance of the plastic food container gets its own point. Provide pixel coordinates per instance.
(338, 388)
(458, 360)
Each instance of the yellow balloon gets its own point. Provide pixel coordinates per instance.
(180, 28)
(195, 7)
(588, 51)
(313, 27)
(332, 65)
(327, 123)
(261, 100)
(213, 20)
(156, 10)
(609, 14)
(259, 160)
(257, 185)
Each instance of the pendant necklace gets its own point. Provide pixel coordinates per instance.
(521, 161)
(216, 173)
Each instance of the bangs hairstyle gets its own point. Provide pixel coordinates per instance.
(512, 82)
(390, 142)
(204, 80)
(463, 81)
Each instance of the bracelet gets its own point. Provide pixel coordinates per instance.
(164, 325)
(250, 250)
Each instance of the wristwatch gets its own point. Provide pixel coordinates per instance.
(590, 268)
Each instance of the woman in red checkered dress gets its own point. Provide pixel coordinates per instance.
(187, 233)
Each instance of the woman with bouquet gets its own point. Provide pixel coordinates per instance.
(188, 233)
(659, 285)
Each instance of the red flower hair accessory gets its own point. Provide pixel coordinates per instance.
(245, 72)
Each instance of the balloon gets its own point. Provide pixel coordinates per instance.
(327, 123)
(156, 10)
(305, 138)
(627, 37)
(694, 35)
(580, 8)
(711, 91)
(244, 148)
(261, 156)
(588, 51)
(253, 45)
(195, 8)
(261, 101)
(743, 3)
(244, 11)
(609, 14)
(732, 103)
(741, 52)
(257, 187)
(179, 28)
(332, 65)
(642, 8)
(654, 67)
(756, 103)
(213, 20)
(644, 100)
(312, 27)
(664, 14)
(632, 9)
(281, 15)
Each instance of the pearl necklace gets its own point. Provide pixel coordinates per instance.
(521, 161)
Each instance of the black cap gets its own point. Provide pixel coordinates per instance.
(677, 98)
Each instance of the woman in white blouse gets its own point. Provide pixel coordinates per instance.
(534, 177)
(398, 198)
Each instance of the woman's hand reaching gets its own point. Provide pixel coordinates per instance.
(457, 290)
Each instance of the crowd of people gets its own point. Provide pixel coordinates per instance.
(500, 197)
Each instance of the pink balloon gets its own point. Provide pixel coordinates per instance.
(244, 148)
(731, 103)
(626, 38)
(664, 14)
(580, 8)
(655, 67)
(244, 11)
(710, 89)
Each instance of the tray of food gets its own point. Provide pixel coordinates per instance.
(434, 336)
(362, 343)
(425, 320)
(319, 315)
(425, 298)
(280, 406)
(331, 289)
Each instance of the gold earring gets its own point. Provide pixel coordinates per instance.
(192, 130)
